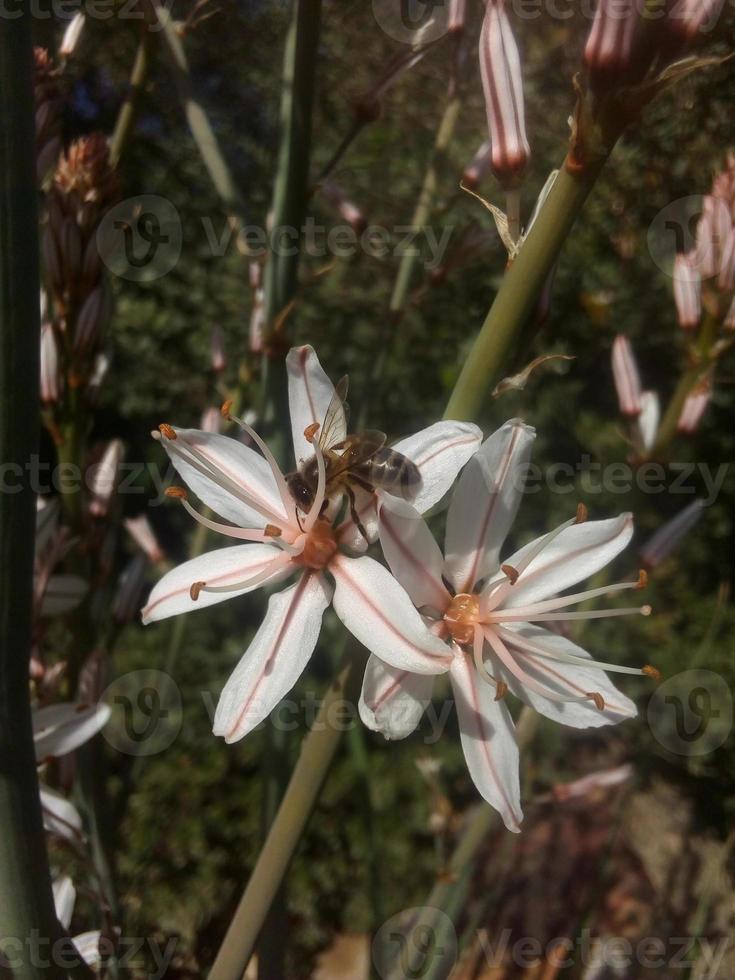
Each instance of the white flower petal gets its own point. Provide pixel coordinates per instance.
(488, 741)
(61, 728)
(275, 659)
(348, 533)
(377, 611)
(65, 896)
(239, 463)
(568, 680)
(412, 553)
(393, 701)
(440, 452)
(649, 418)
(309, 394)
(60, 817)
(575, 554)
(225, 566)
(88, 946)
(485, 503)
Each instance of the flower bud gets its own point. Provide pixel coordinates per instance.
(100, 368)
(626, 377)
(500, 67)
(479, 166)
(257, 322)
(660, 545)
(104, 478)
(211, 420)
(688, 19)
(140, 530)
(609, 49)
(71, 35)
(48, 115)
(93, 319)
(694, 408)
(129, 592)
(348, 211)
(604, 779)
(457, 16)
(687, 290)
(50, 380)
(714, 232)
(217, 358)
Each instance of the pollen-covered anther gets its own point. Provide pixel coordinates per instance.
(646, 610)
(177, 492)
(167, 431)
(642, 579)
(598, 699)
(225, 408)
(501, 691)
(195, 589)
(511, 573)
(310, 431)
(271, 531)
(462, 616)
(653, 672)
(582, 513)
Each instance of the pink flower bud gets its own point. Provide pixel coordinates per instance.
(348, 211)
(257, 322)
(140, 530)
(626, 377)
(457, 16)
(500, 67)
(129, 593)
(694, 408)
(714, 232)
(211, 420)
(660, 545)
(726, 278)
(609, 47)
(50, 380)
(479, 167)
(255, 275)
(104, 478)
(72, 35)
(217, 349)
(687, 291)
(689, 18)
(603, 779)
(92, 320)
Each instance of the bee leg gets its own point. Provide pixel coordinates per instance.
(354, 515)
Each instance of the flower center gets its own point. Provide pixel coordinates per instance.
(461, 617)
(319, 546)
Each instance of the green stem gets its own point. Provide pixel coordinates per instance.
(129, 109)
(303, 790)
(520, 289)
(26, 901)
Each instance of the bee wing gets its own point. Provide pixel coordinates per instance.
(360, 448)
(334, 426)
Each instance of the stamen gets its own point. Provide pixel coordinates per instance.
(285, 495)
(196, 588)
(513, 617)
(321, 486)
(230, 530)
(310, 431)
(512, 573)
(598, 699)
(178, 492)
(485, 675)
(279, 562)
(526, 613)
(652, 672)
(523, 645)
(501, 691)
(271, 531)
(167, 431)
(225, 409)
(642, 579)
(582, 513)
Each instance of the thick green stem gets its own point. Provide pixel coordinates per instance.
(28, 923)
(303, 790)
(519, 292)
(129, 109)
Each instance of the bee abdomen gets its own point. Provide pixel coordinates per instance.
(395, 473)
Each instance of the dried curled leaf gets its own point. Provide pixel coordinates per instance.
(517, 381)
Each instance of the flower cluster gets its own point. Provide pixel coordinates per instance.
(464, 614)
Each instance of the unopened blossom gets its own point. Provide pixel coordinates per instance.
(479, 166)
(129, 591)
(104, 477)
(346, 208)
(257, 322)
(457, 16)
(218, 360)
(50, 374)
(54, 593)
(694, 407)
(648, 420)
(211, 420)
(714, 235)
(309, 547)
(73, 32)
(502, 81)
(87, 943)
(493, 617)
(140, 530)
(603, 779)
(609, 49)
(626, 377)
(663, 541)
(691, 19)
(687, 290)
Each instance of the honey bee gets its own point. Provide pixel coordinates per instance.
(359, 460)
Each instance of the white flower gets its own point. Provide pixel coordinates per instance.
(87, 944)
(248, 490)
(488, 614)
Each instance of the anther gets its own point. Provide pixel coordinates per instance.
(501, 691)
(653, 672)
(196, 588)
(310, 431)
(598, 699)
(511, 573)
(271, 531)
(646, 610)
(167, 430)
(225, 409)
(642, 579)
(178, 492)
(581, 514)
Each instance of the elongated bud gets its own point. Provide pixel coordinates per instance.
(257, 322)
(626, 376)
(609, 49)
(49, 110)
(104, 478)
(93, 319)
(211, 420)
(689, 20)
(217, 349)
(50, 380)
(502, 81)
(687, 291)
(347, 210)
(694, 408)
(140, 530)
(457, 16)
(714, 234)
(604, 779)
(100, 367)
(73, 32)
(478, 167)
(726, 278)
(130, 590)
(660, 545)
(255, 275)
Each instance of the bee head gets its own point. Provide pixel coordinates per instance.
(300, 490)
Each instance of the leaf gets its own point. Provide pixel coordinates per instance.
(517, 381)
